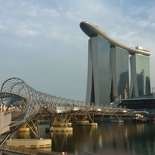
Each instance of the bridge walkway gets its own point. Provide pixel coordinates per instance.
(27, 105)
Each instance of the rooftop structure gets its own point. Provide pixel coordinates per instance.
(114, 70)
(91, 30)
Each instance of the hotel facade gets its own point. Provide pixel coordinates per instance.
(115, 71)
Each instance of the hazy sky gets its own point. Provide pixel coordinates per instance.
(41, 41)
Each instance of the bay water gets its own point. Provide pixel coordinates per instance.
(106, 138)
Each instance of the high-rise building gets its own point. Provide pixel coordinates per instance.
(108, 69)
(140, 75)
(120, 73)
(99, 78)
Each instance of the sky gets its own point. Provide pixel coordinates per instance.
(41, 41)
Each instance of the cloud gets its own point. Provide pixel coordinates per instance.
(26, 33)
(48, 36)
(2, 28)
(51, 12)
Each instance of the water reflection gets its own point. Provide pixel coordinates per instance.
(61, 140)
(133, 139)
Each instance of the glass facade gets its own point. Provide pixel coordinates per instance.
(108, 73)
(99, 81)
(140, 69)
(120, 73)
(104, 71)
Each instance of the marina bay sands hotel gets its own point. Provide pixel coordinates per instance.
(114, 70)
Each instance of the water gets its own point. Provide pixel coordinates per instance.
(107, 138)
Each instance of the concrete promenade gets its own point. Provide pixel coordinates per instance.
(12, 150)
(29, 147)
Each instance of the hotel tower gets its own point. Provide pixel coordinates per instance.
(115, 71)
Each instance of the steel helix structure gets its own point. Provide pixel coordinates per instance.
(34, 100)
(30, 104)
(33, 105)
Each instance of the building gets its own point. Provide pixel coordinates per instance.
(120, 73)
(109, 76)
(99, 75)
(140, 75)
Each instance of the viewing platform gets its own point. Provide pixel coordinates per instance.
(30, 143)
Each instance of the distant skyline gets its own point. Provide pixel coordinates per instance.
(41, 41)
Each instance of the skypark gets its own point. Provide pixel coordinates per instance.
(91, 31)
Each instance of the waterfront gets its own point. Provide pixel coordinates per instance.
(116, 138)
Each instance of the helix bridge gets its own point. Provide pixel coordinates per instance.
(27, 106)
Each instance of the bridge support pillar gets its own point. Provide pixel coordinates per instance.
(60, 123)
(24, 128)
(86, 120)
